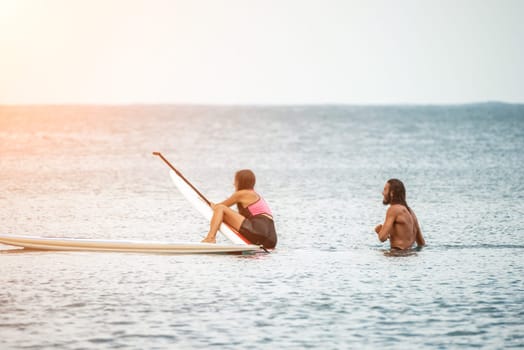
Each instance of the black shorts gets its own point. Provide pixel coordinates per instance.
(260, 230)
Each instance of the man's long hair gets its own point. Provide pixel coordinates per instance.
(397, 193)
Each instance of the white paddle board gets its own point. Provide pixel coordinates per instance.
(75, 244)
(203, 208)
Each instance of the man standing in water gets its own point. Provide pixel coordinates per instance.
(401, 225)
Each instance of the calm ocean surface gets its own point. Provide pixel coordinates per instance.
(88, 172)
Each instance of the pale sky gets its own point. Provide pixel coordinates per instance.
(261, 51)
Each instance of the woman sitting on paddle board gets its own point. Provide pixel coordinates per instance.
(254, 219)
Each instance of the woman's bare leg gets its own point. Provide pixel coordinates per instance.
(221, 213)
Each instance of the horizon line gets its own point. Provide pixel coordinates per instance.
(317, 104)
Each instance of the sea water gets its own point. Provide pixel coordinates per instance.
(88, 172)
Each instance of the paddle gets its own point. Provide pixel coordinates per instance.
(182, 177)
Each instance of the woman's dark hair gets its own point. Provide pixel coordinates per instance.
(397, 192)
(245, 179)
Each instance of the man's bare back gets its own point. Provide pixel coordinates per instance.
(401, 225)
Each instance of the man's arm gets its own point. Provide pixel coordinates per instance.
(384, 230)
(418, 238)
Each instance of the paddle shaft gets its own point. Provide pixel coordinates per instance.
(182, 176)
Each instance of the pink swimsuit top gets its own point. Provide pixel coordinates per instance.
(259, 207)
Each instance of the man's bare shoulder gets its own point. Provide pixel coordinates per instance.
(395, 209)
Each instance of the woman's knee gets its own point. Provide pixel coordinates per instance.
(219, 208)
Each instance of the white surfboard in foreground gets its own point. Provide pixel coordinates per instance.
(241, 244)
(76, 244)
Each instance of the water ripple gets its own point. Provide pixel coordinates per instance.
(329, 285)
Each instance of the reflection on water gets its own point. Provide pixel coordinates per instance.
(88, 172)
(400, 253)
